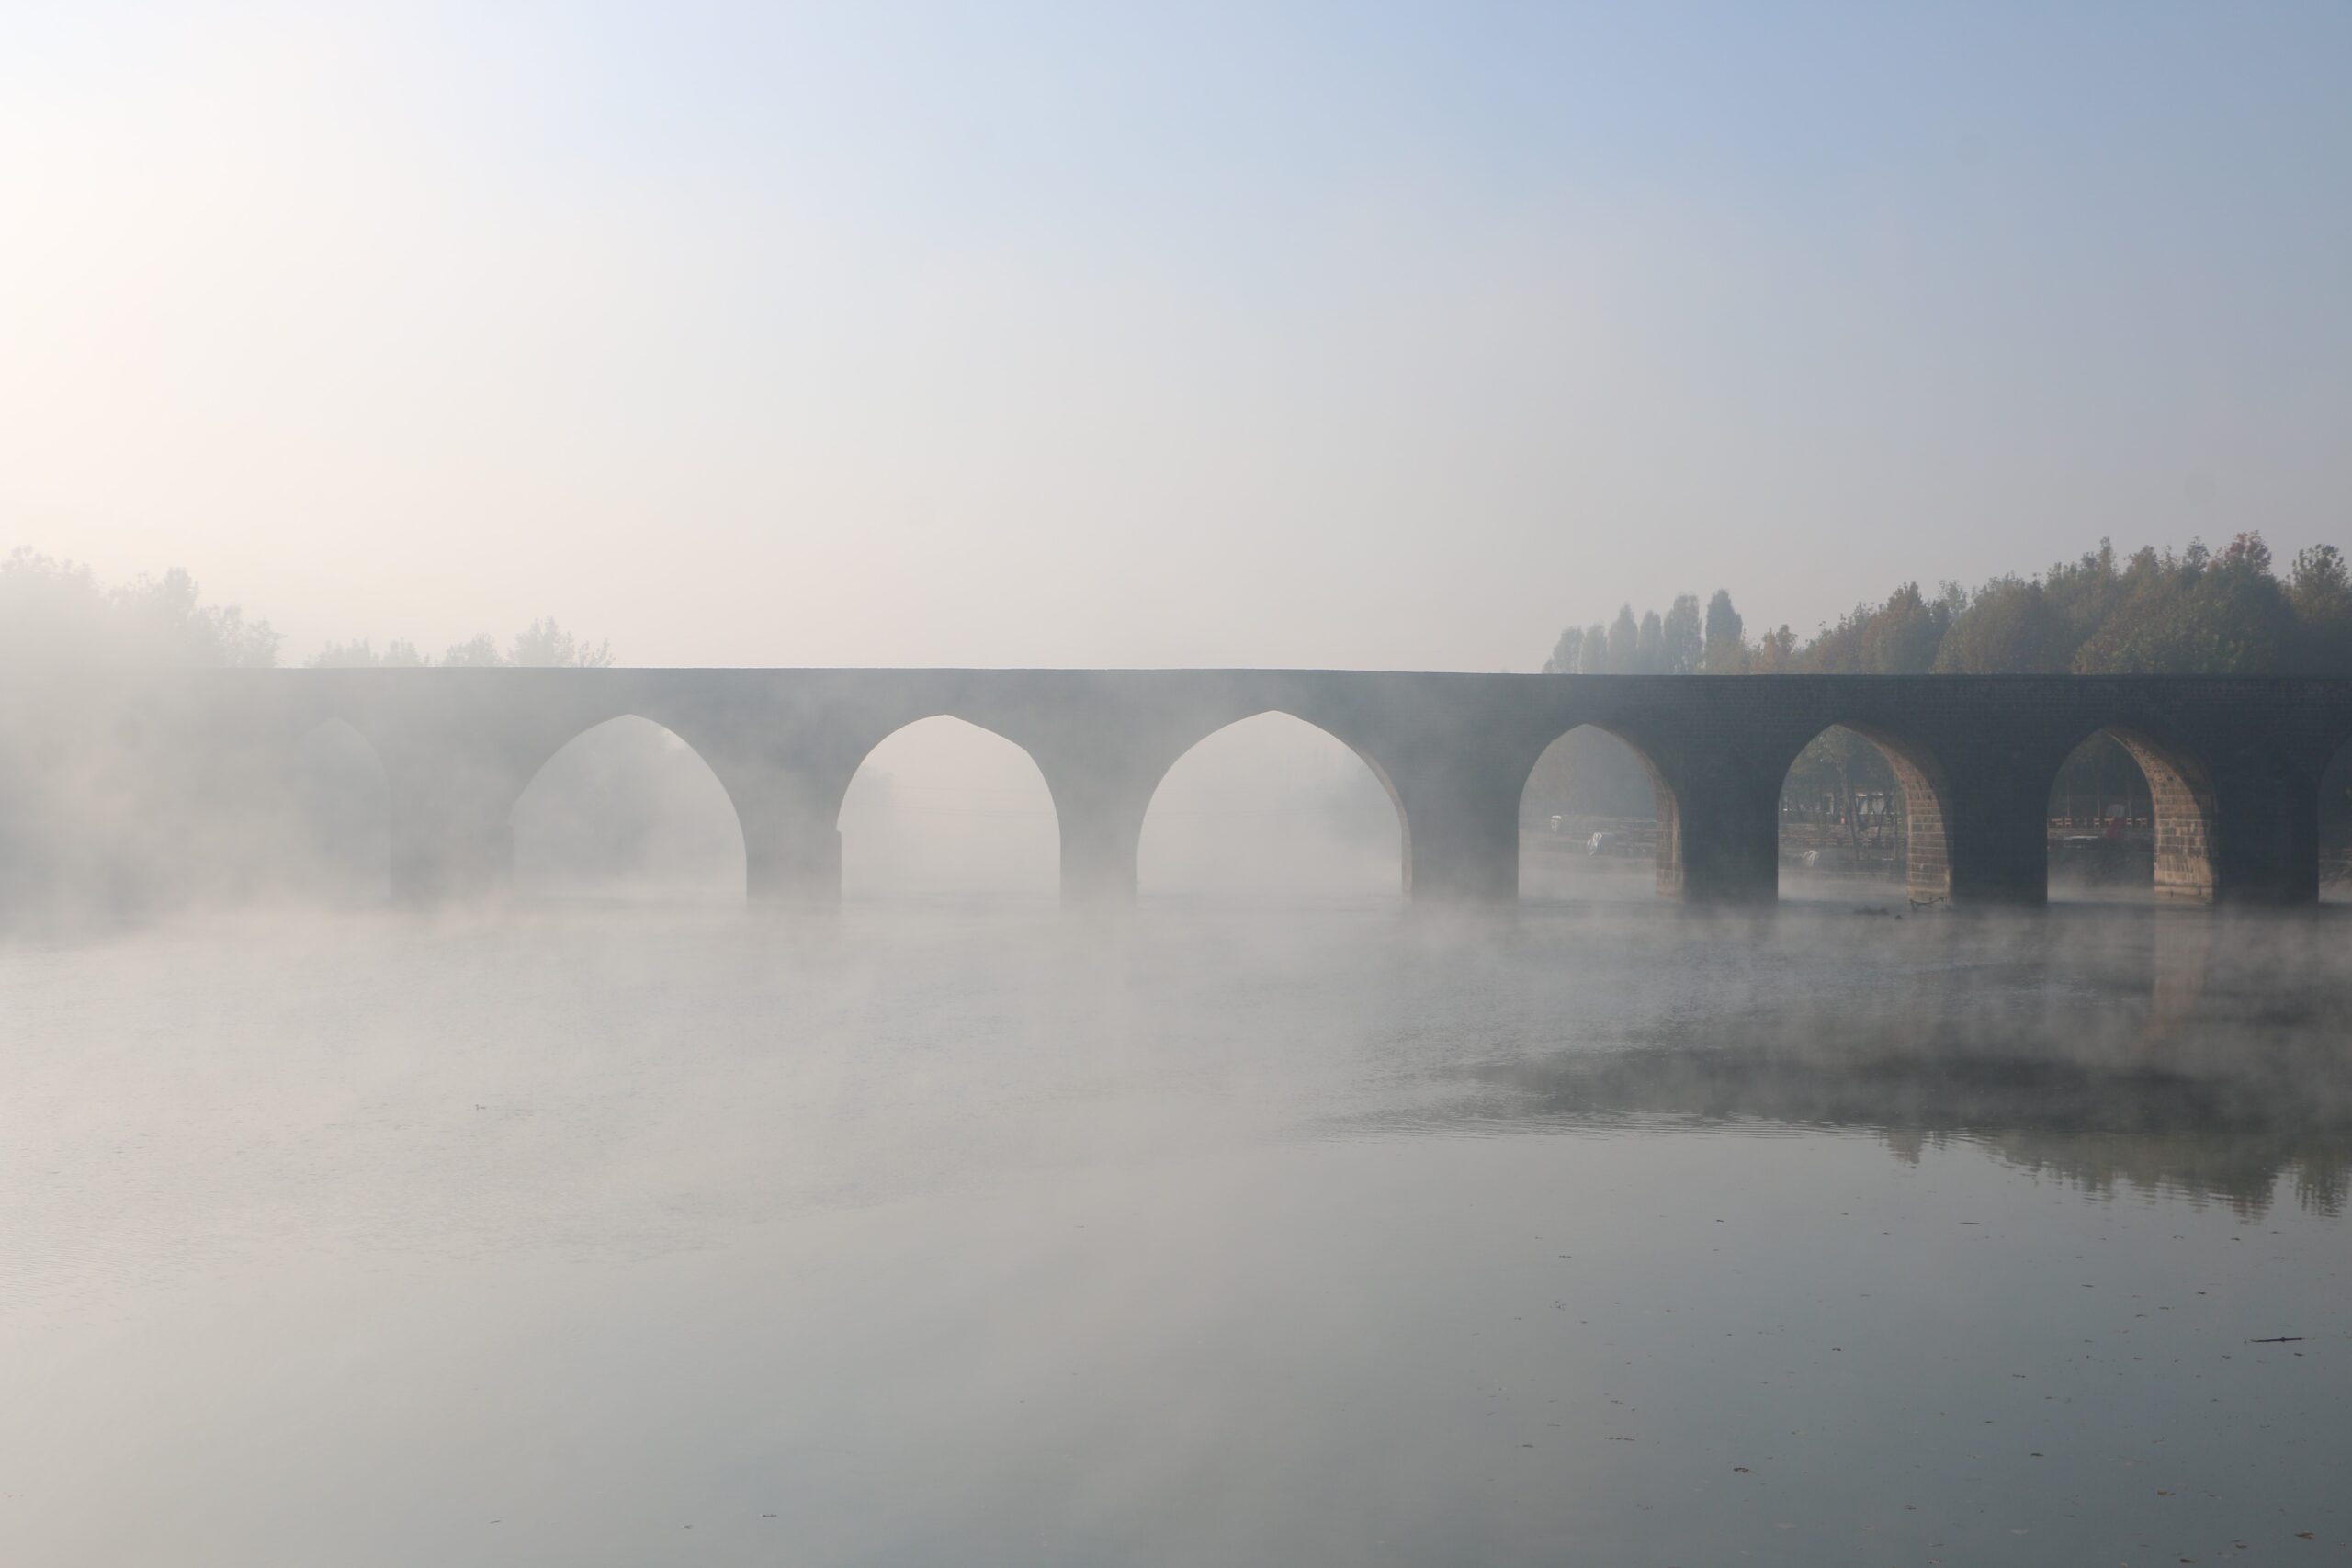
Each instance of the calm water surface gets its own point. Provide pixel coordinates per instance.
(951, 1234)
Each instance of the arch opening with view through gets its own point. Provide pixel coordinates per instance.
(1596, 820)
(2131, 818)
(627, 809)
(1271, 805)
(941, 807)
(1864, 812)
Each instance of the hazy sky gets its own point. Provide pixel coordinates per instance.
(1015, 335)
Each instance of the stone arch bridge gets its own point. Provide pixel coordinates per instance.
(2233, 763)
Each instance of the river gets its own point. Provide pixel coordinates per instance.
(932, 1233)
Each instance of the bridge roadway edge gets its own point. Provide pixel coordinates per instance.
(2240, 758)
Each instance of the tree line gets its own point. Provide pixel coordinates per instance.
(1680, 642)
(2192, 612)
(59, 612)
(115, 802)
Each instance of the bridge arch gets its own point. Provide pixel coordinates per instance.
(338, 846)
(1594, 797)
(1272, 802)
(626, 808)
(2152, 806)
(943, 805)
(1860, 797)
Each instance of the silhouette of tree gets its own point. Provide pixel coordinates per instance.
(2319, 593)
(2011, 626)
(362, 655)
(1899, 636)
(1775, 652)
(1649, 646)
(1567, 654)
(1684, 644)
(479, 652)
(2196, 615)
(1839, 763)
(541, 645)
(2191, 612)
(56, 613)
(1726, 649)
(544, 645)
(1624, 640)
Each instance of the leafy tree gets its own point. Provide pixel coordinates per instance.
(2096, 776)
(1899, 636)
(1649, 646)
(479, 652)
(1684, 645)
(1624, 640)
(89, 828)
(1903, 638)
(2191, 612)
(1727, 647)
(362, 655)
(2086, 592)
(1567, 654)
(2319, 593)
(55, 612)
(1836, 649)
(1839, 763)
(1775, 651)
(2196, 615)
(2011, 626)
(543, 644)
(2321, 587)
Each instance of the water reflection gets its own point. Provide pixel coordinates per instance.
(2168, 1052)
(909, 1236)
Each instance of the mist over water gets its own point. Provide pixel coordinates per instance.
(504, 1061)
(613, 1218)
(1232, 1229)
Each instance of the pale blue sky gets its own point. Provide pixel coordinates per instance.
(1217, 334)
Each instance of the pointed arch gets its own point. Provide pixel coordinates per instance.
(943, 805)
(1908, 830)
(626, 807)
(2170, 823)
(1215, 818)
(1583, 801)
